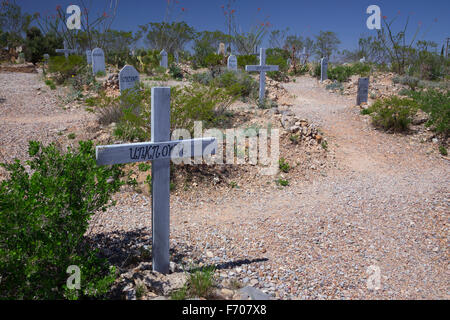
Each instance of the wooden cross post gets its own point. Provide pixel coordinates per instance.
(66, 50)
(262, 69)
(160, 150)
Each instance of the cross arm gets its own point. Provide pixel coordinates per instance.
(150, 151)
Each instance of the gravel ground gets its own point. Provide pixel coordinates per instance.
(386, 204)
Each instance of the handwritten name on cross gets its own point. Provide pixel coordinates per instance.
(262, 69)
(160, 150)
(66, 50)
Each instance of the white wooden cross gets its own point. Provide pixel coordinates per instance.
(160, 150)
(262, 69)
(66, 50)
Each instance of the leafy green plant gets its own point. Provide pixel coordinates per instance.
(282, 182)
(201, 282)
(393, 113)
(71, 136)
(44, 215)
(246, 60)
(295, 138)
(63, 69)
(284, 166)
(175, 72)
(51, 84)
(443, 151)
(437, 104)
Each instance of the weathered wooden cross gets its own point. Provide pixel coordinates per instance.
(66, 50)
(160, 150)
(262, 69)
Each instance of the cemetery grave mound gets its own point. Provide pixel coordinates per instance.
(18, 68)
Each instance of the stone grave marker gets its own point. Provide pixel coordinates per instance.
(262, 69)
(46, 58)
(159, 151)
(128, 77)
(363, 91)
(66, 50)
(98, 61)
(129, 80)
(232, 63)
(164, 59)
(21, 58)
(177, 57)
(324, 69)
(89, 56)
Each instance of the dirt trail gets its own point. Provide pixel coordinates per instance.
(385, 205)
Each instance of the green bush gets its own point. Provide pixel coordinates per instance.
(214, 60)
(393, 113)
(238, 84)
(437, 105)
(188, 104)
(342, 73)
(43, 218)
(64, 69)
(175, 72)
(280, 61)
(247, 60)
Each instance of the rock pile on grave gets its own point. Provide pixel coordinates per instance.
(300, 127)
(277, 93)
(112, 82)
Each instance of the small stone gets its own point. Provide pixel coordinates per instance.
(227, 292)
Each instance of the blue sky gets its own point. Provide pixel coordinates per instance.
(346, 17)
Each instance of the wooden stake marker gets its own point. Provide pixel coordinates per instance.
(160, 150)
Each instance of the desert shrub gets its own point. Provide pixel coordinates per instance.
(44, 215)
(238, 84)
(175, 71)
(280, 61)
(393, 113)
(82, 78)
(316, 70)
(213, 60)
(246, 60)
(300, 70)
(335, 86)
(204, 78)
(339, 73)
(437, 105)
(188, 104)
(409, 81)
(63, 69)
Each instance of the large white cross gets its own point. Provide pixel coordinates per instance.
(262, 69)
(159, 151)
(66, 50)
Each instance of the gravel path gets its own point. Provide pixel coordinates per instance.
(385, 205)
(29, 110)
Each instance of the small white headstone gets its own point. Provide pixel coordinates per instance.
(89, 56)
(46, 57)
(128, 78)
(232, 63)
(98, 61)
(324, 69)
(362, 60)
(164, 59)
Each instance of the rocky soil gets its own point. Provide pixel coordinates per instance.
(364, 199)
